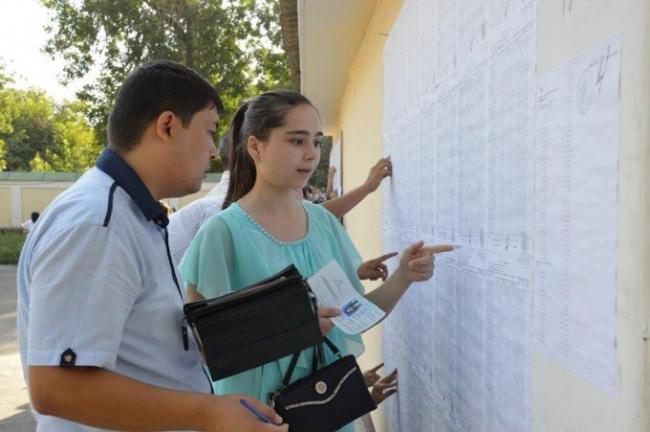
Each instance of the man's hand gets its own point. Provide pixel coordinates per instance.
(417, 261)
(378, 172)
(324, 321)
(231, 415)
(375, 268)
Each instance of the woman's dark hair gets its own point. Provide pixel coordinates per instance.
(151, 89)
(255, 117)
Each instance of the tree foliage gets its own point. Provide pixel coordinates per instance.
(5, 122)
(36, 133)
(75, 145)
(234, 44)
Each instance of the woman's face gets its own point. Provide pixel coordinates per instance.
(291, 153)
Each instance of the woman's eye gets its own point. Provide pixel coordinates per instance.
(318, 143)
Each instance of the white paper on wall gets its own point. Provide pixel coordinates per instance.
(459, 125)
(576, 213)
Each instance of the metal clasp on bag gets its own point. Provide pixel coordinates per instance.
(274, 395)
(320, 387)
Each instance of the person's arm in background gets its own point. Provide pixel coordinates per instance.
(330, 193)
(381, 387)
(104, 399)
(375, 268)
(346, 202)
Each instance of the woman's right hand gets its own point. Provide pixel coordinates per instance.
(324, 321)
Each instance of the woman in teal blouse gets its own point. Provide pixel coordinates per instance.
(264, 228)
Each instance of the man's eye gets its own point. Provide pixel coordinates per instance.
(296, 141)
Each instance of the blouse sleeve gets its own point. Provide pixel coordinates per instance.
(208, 259)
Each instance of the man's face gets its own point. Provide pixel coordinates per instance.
(194, 151)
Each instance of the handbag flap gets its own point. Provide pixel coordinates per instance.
(288, 278)
(320, 387)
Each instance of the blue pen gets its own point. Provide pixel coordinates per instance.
(254, 410)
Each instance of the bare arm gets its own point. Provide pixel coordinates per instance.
(341, 205)
(104, 399)
(346, 202)
(329, 190)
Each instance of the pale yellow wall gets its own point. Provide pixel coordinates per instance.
(36, 199)
(360, 121)
(5, 206)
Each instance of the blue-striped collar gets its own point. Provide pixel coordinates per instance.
(112, 164)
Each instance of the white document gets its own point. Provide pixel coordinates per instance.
(576, 214)
(459, 125)
(333, 289)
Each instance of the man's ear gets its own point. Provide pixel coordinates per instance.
(254, 146)
(164, 124)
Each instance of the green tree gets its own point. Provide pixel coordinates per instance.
(28, 114)
(5, 121)
(235, 44)
(74, 146)
(36, 133)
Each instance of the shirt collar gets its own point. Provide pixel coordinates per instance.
(112, 164)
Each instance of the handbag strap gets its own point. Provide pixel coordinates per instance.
(318, 356)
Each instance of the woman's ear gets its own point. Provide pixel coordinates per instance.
(164, 124)
(254, 146)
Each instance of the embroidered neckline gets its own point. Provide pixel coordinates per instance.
(272, 237)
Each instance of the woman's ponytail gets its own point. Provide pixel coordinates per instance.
(242, 167)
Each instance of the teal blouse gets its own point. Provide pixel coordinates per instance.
(232, 251)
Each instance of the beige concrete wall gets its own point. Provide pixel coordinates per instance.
(5, 206)
(564, 402)
(36, 199)
(360, 122)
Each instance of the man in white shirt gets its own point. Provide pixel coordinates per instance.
(100, 308)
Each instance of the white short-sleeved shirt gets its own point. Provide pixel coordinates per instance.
(96, 287)
(185, 223)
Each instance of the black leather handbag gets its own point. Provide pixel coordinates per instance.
(255, 325)
(326, 400)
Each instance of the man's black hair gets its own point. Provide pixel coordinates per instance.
(151, 89)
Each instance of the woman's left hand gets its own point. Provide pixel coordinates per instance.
(417, 261)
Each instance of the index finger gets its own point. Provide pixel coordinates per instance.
(376, 368)
(432, 250)
(383, 257)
